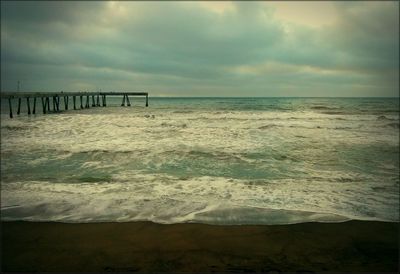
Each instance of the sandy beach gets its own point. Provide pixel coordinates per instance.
(148, 247)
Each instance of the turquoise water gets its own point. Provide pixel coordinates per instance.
(210, 160)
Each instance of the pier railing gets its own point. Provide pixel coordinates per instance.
(56, 96)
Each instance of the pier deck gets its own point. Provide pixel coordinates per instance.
(45, 99)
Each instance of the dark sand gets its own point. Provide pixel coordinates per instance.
(149, 247)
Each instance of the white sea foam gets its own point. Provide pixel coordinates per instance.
(168, 199)
(200, 165)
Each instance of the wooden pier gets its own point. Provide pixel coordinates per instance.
(86, 100)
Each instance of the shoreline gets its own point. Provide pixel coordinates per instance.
(188, 247)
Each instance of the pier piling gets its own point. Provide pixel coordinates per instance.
(48, 103)
(66, 101)
(28, 105)
(58, 103)
(43, 105)
(10, 105)
(55, 109)
(34, 105)
(45, 98)
(19, 106)
(54, 104)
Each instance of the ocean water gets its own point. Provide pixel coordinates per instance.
(204, 160)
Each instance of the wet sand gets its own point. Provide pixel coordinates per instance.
(149, 247)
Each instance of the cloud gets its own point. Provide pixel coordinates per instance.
(368, 33)
(198, 48)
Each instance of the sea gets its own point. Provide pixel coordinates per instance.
(219, 161)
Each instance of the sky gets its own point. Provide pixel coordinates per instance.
(260, 48)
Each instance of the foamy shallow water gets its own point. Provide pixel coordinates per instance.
(218, 161)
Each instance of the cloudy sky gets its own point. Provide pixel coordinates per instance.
(202, 48)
